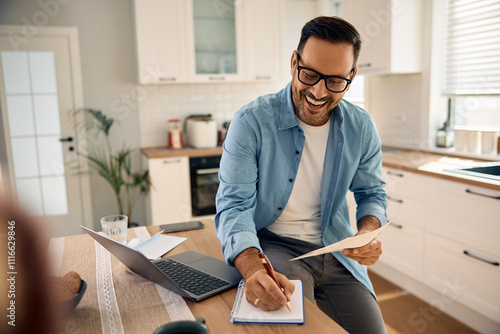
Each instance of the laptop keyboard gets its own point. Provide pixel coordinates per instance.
(190, 279)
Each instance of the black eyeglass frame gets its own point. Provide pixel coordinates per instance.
(322, 77)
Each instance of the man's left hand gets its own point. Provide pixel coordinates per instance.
(367, 254)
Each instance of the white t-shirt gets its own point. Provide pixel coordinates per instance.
(301, 218)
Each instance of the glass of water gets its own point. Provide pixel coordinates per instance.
(115, 227)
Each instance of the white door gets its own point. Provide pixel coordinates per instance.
(40, 87)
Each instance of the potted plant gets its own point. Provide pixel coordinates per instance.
(114, 166)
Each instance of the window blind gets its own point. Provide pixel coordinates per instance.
(472, 48)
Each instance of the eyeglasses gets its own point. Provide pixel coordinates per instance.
(333, 83)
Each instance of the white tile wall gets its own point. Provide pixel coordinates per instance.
(164, 102)
(395, 103)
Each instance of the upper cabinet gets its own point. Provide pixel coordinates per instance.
(391, 34)
(194, 41)
(161, 41)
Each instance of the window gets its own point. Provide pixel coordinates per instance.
(472, 56)
(472, 61)
(356, 93)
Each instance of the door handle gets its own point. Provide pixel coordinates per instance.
(493, 263)
(396, 226)
(395, 174)
(480, 194)
(67, 139)
(397, 200)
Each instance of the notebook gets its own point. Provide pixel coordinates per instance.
(245, 313)
(190, 274)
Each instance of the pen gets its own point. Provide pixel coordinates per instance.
(270, 271)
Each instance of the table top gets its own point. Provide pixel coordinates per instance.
(126, 302)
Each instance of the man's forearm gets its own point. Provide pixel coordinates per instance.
(248, 262)
(368, 223)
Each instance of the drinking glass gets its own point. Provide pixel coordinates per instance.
(115, 227)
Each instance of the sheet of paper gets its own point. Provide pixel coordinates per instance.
(351, 242)
(158, 245)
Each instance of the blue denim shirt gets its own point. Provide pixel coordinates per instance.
(260, 159)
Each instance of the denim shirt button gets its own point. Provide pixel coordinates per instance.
(291, 180)
(297, 152)
(280, 208)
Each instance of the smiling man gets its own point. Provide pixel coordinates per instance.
(289, 159)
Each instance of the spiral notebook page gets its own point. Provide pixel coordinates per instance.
(244, 312)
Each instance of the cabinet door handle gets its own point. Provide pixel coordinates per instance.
(171, 161)
(480, 194)
(493, 263)
(263, 77)
(216, 78)
(395, 174)
(67, 139)
(396, 226)
(365, 65)
(167, 78)
(397, 200)
(207, 171)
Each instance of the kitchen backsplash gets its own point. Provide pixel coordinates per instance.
(160, 103)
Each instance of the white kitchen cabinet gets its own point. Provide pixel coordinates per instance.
(403, 241)
(463, 244)
(391, 33)
(262, 34)
(473, 279)
(214, 46)
(170, 194)
(196, 41)
(161, 41)
(447, 240)
(466, 214)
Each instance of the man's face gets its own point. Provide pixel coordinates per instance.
(313, 104)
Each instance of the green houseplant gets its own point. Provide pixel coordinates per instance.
(114, 167)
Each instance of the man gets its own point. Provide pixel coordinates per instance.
(289, 159)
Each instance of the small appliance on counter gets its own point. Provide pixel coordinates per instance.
(201, 131)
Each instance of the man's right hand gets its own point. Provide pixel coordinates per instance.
(260, 286)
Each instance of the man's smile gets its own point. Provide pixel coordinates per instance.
(314, 102)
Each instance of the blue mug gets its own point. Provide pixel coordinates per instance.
(184, 326)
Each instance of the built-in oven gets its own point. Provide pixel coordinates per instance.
(204, 184)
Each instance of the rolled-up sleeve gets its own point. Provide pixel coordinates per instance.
(237, 194)
(367, 184)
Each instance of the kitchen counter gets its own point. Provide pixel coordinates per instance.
(435, 165)
(420, 162)
(165, 152)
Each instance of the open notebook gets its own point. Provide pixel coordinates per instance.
(245, 313)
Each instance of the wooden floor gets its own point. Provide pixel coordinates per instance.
(405, 313)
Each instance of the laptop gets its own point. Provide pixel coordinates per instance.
(190, 274)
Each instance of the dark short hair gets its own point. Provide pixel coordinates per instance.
(331, 29)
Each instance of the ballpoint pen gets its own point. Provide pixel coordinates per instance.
(270, 271)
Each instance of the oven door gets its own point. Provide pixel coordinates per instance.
(204, 185)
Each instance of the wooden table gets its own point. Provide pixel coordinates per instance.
(139, 307)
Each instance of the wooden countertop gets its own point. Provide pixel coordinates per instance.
(435, 165)
(420, 162)
(165, 152)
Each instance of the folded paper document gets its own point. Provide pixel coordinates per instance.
(351, 242)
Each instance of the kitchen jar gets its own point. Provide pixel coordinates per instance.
(175, 134)
(489, 141)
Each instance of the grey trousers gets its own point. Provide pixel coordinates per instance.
(327, 283)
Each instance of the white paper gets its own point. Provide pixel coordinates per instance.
(350, 242)
(158, 245)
